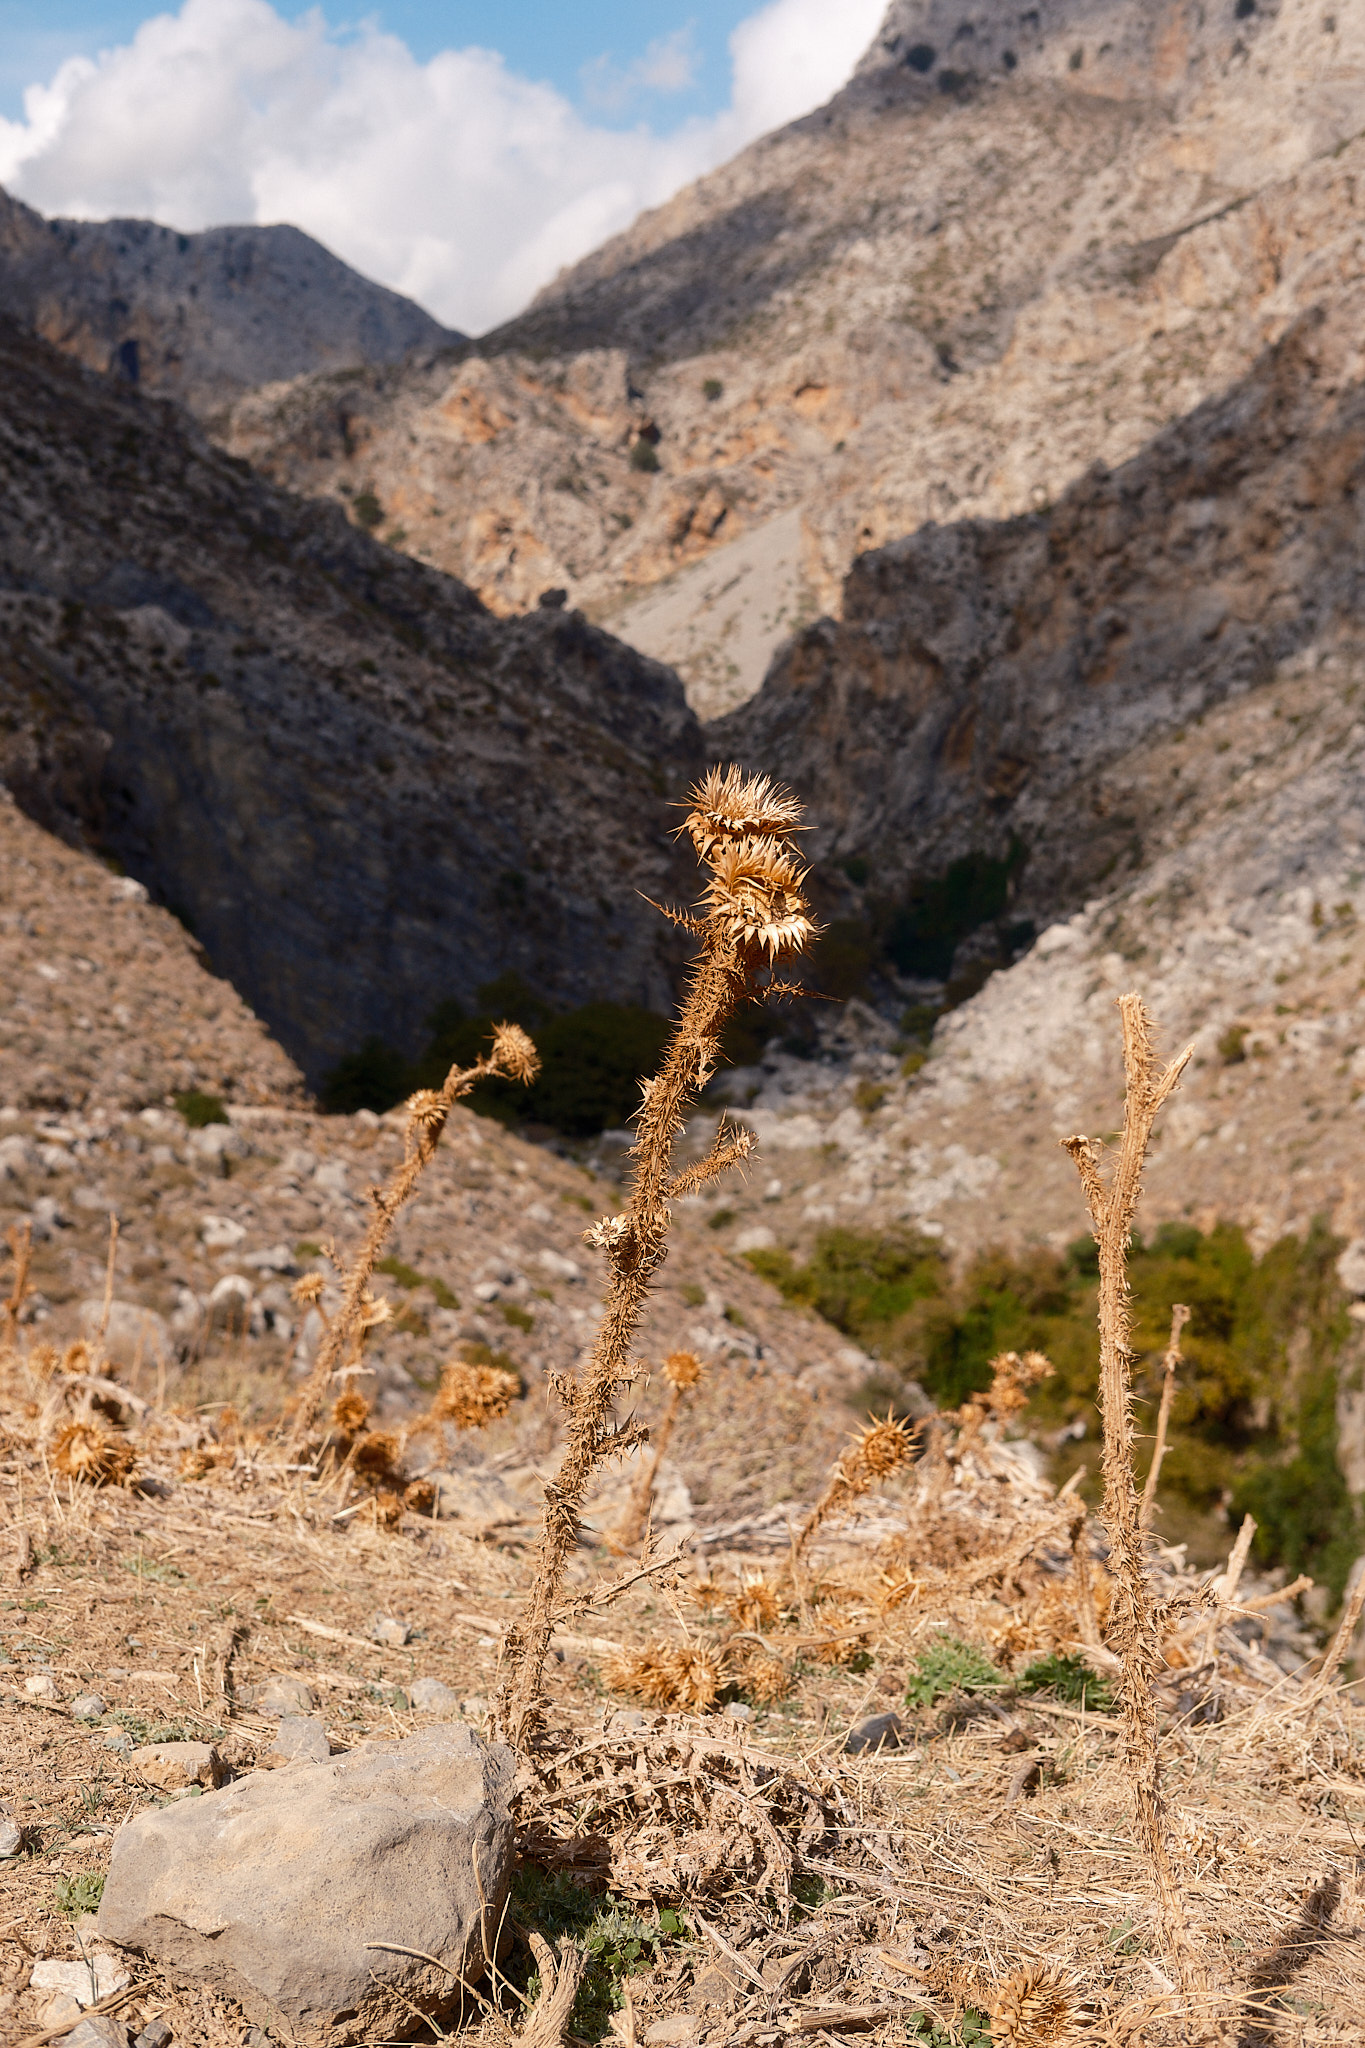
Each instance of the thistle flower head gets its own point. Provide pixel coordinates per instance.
(882, 1448)
(755, 892)
(377, 1455)
(307, 1291)
(95, 1456)
(1035, 2007)
(472, 1395)
(683, 1370)
(727, 804)
(350, 1412)
(515, 1053)
(79, 1357)
(426, 1111)
(756, 1604)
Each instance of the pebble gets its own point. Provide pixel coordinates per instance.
(298, 1740)
(280, 1696)
(474, 1709)
(386, 1628)
(878, 1731)
(41, 1686)
(11, 1835)
(735, 1710)
(173, 1766)
(158, 2032)
(434, 1696)
(88, 1707)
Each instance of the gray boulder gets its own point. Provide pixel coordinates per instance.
(298, 1739)
(329, 1900)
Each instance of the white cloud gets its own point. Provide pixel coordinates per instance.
(669, 64)
(455, 181)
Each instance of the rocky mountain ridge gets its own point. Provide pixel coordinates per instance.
(204, 317)
(942, 296)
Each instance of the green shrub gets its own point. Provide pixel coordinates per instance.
(712, 388)
(82, 1894)
(199, 1109)
(950, 1665)
(616, 1940)
(1232, 1046)
(408, 1276)
(644, 456)
(375, 1077)
(366, 510)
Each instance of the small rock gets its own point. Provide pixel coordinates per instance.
(878, 1731)
(475, 1709)
(229, 1303)
(158, 2032)
(88, 1706)
(98, 2030)
(85, 1981)
(679, 2030)
(279, 1696)
(171, 1766)
(557, 1266)
(221, 1233)
(299, 1739)
(268, 1890)
(385, 1628)
(11, 1836)
(434, 1696)
(735, 1710)
(119, 1740)
(41, 1686)
(627, 1721)
(61, 2010)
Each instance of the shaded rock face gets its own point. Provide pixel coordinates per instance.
(200, 317)
(362, 793)
(985, 673)
(302, 1893)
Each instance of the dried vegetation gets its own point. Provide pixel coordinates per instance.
(1093, 1808)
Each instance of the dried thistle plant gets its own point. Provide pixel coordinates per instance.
(93, 1455)
(20, 1240)
(1180, 1315)
(513, 1056)
(875, 1455)
(686, 1676)
(1013, 1379)
(752, 915)
(1133, 1623)
(684, 1372)
(472, 1395)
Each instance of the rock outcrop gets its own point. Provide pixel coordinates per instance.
(362, 793)
(992, 260)
(205, 317)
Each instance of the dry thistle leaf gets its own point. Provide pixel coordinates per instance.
(683, 1370)
(1035, 2007)
(515, 1053)
(472, 1396)
(727, 804)
(350, 1412)
(95, 1456)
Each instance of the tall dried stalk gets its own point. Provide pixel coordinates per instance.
(1133, 1623)
(752, 915)
(1180, 1315)
(512, 1056)
(1340, 1643)
(21, 1250)
(684, 1372)
(876, 1453)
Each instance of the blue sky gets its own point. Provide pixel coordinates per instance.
(554, 40)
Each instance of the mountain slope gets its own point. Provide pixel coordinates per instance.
(363, 793)
(199, 318)
(942, 296)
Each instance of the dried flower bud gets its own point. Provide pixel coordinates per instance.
(95, 1456)
(727, 805)
(79, 1357)
(350, 1412)
(515, 1053)
(607, 1234)
(755, 893)
(683, 1370)
(426, 1111)
(307, 1291)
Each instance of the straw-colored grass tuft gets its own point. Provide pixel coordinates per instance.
(1035, 2008)
(95, 1456)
